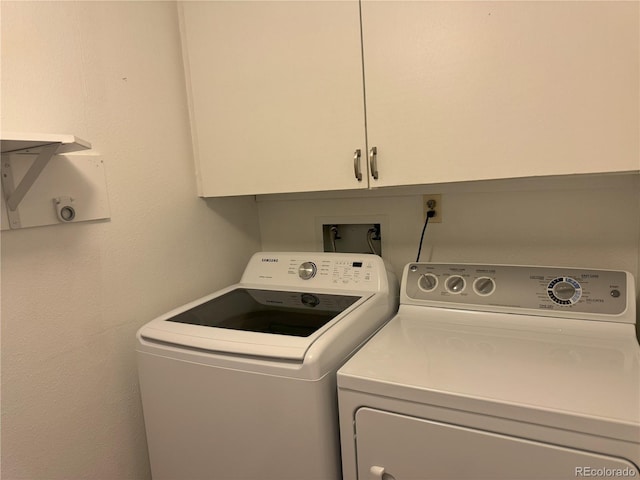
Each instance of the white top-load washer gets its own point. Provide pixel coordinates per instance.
(497, 372)
(241, 384)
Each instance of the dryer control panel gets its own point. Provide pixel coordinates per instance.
(541, 289)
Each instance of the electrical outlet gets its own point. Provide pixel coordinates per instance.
(432, 202)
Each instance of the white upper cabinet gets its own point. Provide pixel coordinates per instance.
(454, 91)
(276, 96)
(478, 90)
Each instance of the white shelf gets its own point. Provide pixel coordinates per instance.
(13, 142)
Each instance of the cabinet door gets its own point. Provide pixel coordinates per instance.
(276, 96)
(477, 90)
(392, 446)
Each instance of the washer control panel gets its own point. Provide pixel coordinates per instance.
(316, 270)
(534, 288)
(335, 271)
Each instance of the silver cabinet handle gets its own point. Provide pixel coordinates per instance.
(356, 164)
(373, 162)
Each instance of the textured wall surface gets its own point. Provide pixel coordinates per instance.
(74, 295)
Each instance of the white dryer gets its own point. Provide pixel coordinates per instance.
(497, 372)
(241, 384)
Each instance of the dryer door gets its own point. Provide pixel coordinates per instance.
(391, 446)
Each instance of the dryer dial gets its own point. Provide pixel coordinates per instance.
(455, 284)
(427, 282)
(564, 291)
(484, 286)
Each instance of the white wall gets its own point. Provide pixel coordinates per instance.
(74, 295)
(591, 222)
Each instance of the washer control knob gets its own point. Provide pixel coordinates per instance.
(484, 286)
(455, 284)
(307, 270)
(427, 282)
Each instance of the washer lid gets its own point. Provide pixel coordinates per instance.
(584, 376)
(251, 321)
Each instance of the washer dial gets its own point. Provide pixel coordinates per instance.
(564, 291)
(307, 270)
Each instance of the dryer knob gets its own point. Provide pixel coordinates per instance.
(455, 284)
(564, 290)
(484, 286)
(428, 282)
(307, 270)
